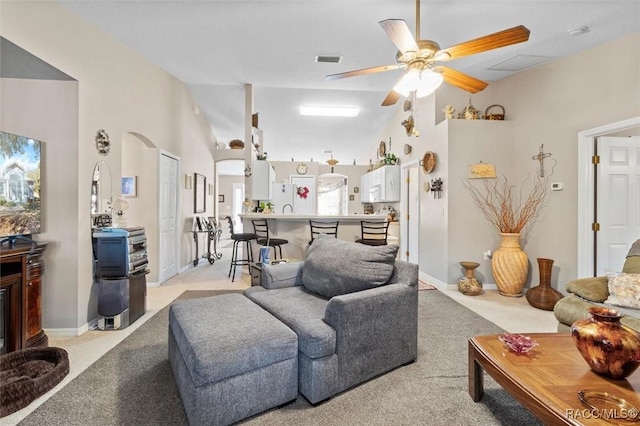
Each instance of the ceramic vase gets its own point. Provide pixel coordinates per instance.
(509, 265)
(609, 347)
(468, 284)
(544, 296)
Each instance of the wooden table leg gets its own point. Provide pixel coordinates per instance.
(476, 375)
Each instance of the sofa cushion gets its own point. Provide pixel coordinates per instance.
(594, 289)
(624, 290)
(303, 312)
(227, 335)
(333, 267)
(631, 265)
(281, 275)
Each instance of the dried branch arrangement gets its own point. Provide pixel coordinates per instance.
(502, 203)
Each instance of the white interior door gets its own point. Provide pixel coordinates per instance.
(168, 202)
(618, 200)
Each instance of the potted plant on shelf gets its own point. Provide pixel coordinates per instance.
(502, 205)
(266, 208)
(390, 159)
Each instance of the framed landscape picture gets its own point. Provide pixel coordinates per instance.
(129, 186)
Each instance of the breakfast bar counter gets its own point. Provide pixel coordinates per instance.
(296, 229)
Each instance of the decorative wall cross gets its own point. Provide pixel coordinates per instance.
(540, 157)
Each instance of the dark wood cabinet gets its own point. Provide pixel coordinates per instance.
(21, 270)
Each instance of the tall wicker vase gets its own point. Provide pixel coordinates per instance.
(510, 266)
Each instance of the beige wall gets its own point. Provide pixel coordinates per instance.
(547, 105)
(48, 111)
(120, 92)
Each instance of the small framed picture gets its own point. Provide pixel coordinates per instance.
(482, 171)
(221, 198)
(129, 187)
(351, 197)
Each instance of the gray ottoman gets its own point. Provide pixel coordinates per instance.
(230, 358)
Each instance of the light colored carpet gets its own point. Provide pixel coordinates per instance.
(133, 384)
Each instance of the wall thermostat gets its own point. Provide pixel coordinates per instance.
(557, 186)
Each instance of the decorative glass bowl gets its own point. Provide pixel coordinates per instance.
(518, 343)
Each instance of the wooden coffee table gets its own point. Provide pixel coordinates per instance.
(547, 379)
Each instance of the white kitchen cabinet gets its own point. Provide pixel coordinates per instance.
(263, 176)
(382, 185)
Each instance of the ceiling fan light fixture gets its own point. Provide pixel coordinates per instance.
(329, 111)
(423, 82)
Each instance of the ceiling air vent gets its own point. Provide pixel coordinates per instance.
(329, 59)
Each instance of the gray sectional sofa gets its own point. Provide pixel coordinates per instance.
(353, 307)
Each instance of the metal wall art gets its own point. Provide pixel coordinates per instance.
(436, 187)
(103, 145)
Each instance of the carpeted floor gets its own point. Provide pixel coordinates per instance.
(133, 384)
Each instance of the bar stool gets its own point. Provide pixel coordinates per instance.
(261, 230)
(238, 239)
(323, 227)
(373, 233)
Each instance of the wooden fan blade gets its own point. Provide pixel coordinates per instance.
(482, 44)
(461, 80)
(363, 71)
(391, 99)
(400, 35)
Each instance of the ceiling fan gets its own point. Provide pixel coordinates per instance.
(419, 58)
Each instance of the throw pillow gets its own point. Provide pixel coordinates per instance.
(624, 290)
(333, 267)
(593, 289)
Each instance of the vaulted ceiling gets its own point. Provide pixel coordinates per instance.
(216, 47)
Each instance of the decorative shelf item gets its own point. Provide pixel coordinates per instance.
(332, 161)
(236, 144)
(488, 115)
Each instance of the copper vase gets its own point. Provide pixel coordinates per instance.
(544, 296)
(609, 347)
